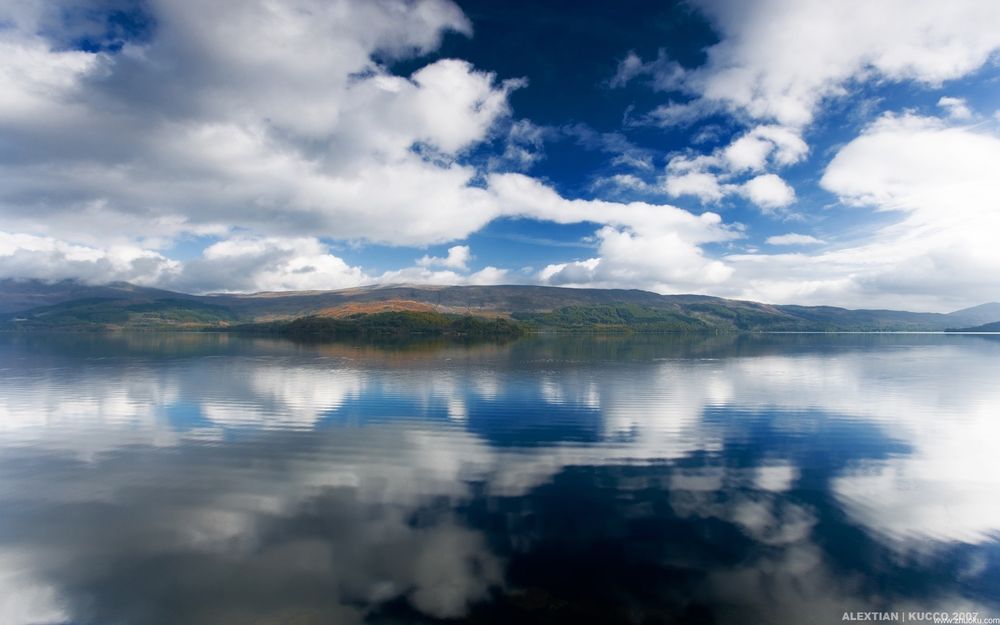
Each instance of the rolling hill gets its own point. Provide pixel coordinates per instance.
(986, 327)
(34, 305)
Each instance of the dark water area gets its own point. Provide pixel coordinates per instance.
(213, 479)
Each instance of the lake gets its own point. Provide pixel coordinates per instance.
(212, 479)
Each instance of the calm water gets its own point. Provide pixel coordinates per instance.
(200, 479)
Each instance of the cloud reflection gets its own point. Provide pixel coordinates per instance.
(346, 483)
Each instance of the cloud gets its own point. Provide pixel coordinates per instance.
(525, 143)
(456, 271)
(793, 238)
(49, 259)
(957, 108)
(458, 258)
(663, 73)
(676, 114)
(522, 196)
(661, 262)
(921, 166)
(624, 183)
(654, 246)
(768, 191)
(753, 150)
(423, 275)
(701, 184)
(267, 264)
(710, 177)
(302, 133)
(938, 185)
(778, 60)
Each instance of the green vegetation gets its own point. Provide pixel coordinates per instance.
(490, 311)
(615, 318)
(388, 325)
(986, 327)
(112, 314)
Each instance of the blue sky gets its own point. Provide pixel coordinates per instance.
(788, 152)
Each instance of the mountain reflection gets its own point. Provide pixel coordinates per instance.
(776, 479)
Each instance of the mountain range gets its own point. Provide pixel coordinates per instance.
(70, 305)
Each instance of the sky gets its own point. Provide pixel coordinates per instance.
(787, 151)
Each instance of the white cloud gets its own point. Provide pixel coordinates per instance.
(957, 108)
(299, 134)
(456, 271)
(661, 262)
(940, 251)
(768, 191)
(490, 275)
(793, 238)
(522, 196)
(920, 166)
(458, 258)
(701, 184)
(267, 264)
(445, 277)
(46, 258)
(777, 60)
(752, 150)
(651, 246)
(710, 177)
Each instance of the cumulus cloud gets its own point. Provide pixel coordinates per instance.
(49, 259)
(651, 246)
(753, 150)
(274, 149)
(237, 265)
(454, 269)
(777, 60)
(957, 108)
(702, 184)
(458, 258)
(445, 277)
(301, 133)
(939, 184)
(768, 191)
(710, 177)
(277, 149)
(267, 264)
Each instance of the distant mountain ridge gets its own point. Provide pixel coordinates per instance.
(986, 327)
(32, 304)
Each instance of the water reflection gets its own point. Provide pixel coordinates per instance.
(211, 479)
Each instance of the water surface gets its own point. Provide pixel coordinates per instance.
(207, 479)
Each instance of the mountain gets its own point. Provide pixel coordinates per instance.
(977, 315)
(26, 305)
(986, 327)
(17, 295)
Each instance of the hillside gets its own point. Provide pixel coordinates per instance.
(978, 315)
(98, 313)
(395, 324)
(986, 327)
(20, 295)
(33, 305)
